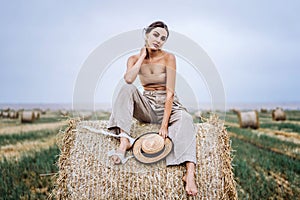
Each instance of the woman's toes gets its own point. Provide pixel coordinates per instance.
(116, 160)
(191, 187)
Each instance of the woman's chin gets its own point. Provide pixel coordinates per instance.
(154, 48)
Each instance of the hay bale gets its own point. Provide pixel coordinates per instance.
(27, 117)
(64, 113)
(20, 111)
(85, 172)
(198, 114)
(278, 114)
(234, 110)
(13, 114)
(5, 114)
(37, 114)
(248, 119)
(263, 110)
(83, 115)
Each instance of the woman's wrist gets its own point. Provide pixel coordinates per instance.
(164, 125)
(142, 56)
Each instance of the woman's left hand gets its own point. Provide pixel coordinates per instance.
(163, 131)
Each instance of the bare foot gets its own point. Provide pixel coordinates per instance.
(124, 146)
(190, 187)
(116, 159)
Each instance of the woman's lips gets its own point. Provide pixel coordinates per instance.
(156, 45)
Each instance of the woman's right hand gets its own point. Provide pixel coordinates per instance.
(143, 52)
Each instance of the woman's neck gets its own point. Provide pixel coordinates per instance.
(154, 54)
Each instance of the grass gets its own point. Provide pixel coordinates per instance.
(49, 120)
(293, 115)
(251, 167)
(282, 126)
(22, 180)
(19, 137)
(263, 140)
(43, 119)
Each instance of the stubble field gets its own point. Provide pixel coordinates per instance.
(266, 161)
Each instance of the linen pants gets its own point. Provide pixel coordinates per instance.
(149, 108)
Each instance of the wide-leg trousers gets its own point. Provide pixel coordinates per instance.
(149, 108)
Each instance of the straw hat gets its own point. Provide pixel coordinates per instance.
(151, 147)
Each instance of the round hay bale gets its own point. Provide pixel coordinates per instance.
(248, 119)
(85, 171)
(37, 114)
(234, 111)
(198, 114)
(263, 110)
(5, 114)
(20, 111)
(83, 115)
(13, 114)
(27, 117)
(278, 114)
(64, 113)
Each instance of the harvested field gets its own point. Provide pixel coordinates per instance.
(31, 127)
(16, 151)
(28, 155)
(265, 161)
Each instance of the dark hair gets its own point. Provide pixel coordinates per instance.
(153, 26)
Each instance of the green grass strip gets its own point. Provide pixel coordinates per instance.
(19, 179)
(49, 119)
(281, 126)
(232, 119)
(264, 140)
(293, 115)
(248, 157)
(19, 137)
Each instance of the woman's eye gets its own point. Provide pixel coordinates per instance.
(163, 38)
(156, 35)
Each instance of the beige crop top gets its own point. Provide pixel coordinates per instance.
(153, 74)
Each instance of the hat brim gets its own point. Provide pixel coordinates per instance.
(148, 158)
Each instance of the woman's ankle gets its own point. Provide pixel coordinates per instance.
(124, 144)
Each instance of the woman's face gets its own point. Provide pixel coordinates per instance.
(156, 38)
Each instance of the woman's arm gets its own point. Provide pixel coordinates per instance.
(133, 66)
(170, 88)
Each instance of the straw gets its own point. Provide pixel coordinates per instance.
(85, 171)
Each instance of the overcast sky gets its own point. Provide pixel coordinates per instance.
(253, 44)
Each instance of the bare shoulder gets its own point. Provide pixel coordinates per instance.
(170, 59)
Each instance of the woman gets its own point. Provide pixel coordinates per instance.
(156, 69)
